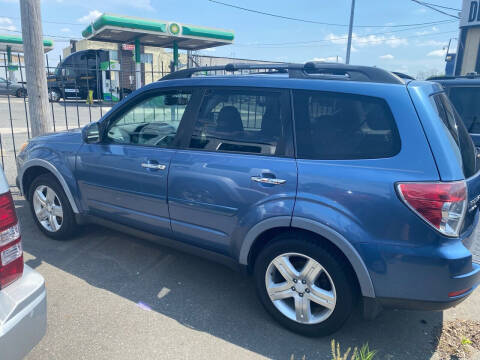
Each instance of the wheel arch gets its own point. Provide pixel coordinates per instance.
(36, 167)
(260, 234)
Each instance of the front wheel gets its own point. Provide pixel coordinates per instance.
(50, 208)
(304, 285)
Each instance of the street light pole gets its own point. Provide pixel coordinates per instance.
(35, 67)
(350, 29)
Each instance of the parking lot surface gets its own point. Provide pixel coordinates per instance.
(111, 296)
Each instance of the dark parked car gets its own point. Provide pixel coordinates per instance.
(464, 93)
(330, 184)
(10, 88)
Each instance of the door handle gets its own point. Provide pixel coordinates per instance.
(154, 166)
(266, 180)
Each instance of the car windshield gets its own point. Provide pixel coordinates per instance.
(465, 100)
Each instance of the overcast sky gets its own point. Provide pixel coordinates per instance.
(378, 40)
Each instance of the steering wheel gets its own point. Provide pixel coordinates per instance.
(119, 135)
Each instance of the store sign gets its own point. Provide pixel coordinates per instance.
(130, 47)
(470, 15)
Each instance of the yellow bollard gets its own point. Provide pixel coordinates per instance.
(90, 97)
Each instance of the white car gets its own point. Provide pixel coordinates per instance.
(23, 301)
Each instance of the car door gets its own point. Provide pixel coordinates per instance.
(3, 86)
(124, 178)
(236, 168)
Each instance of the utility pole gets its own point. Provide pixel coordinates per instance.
(34, 67)
(350, 29)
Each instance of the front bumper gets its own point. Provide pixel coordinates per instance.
(23, 315)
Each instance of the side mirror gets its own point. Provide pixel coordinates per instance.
(91, 133)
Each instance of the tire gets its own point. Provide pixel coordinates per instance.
(335, 283)
(60, 230)
(21, 93)
(54, 95)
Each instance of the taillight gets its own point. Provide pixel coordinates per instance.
(11, 253)
(442, 205)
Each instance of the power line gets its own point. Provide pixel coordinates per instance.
(441, 6)
(48, 21)
(329, 41)
(434, 8)
(47, 35)
(313, 21)
(370, 34)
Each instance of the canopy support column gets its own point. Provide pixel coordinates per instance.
(175, 55)
(138, 65)
(10, 67)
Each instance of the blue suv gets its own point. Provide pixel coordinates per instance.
(330, 184)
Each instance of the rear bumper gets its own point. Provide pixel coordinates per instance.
(23, 315)
(424, 277)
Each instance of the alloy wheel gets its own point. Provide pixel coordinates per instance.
(300, 288)
(48, 208)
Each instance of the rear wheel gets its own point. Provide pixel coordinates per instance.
(304, 285)
(21, 92)
(50, 208)
(54, 95)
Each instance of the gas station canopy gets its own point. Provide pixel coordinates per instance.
(15, 44)
(125, 29)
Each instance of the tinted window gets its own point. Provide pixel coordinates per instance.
(467, 102)
(152, 122)
(461, 140)
(245, 121)
(343, 126)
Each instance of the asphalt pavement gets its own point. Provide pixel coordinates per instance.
(112, 296)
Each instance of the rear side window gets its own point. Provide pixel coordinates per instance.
(466, 102)
(336, 126)
(247, 121)
(461, 140)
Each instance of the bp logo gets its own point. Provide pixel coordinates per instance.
(174, 29)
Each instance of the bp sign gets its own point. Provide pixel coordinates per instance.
(174, 29)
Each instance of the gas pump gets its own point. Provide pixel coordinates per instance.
(110, 79)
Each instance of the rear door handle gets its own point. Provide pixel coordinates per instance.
(154, 166)
(266, 180)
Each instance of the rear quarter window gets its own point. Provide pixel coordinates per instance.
(338, 126)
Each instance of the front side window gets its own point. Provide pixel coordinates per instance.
(467, 102)
(242, 121)
(152, 122)
(337, 126)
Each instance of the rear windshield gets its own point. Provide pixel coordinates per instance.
(466, 102)
(461, 140)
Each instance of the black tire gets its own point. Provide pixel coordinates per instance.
(330, 260)
(54, 95)
(68, 226)
(21, 93)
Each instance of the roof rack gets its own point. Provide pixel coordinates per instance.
(471, 75)
(403, 75)
(310, 70)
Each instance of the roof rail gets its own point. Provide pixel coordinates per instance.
(470, 75)
(403, 75)
(310, 70)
